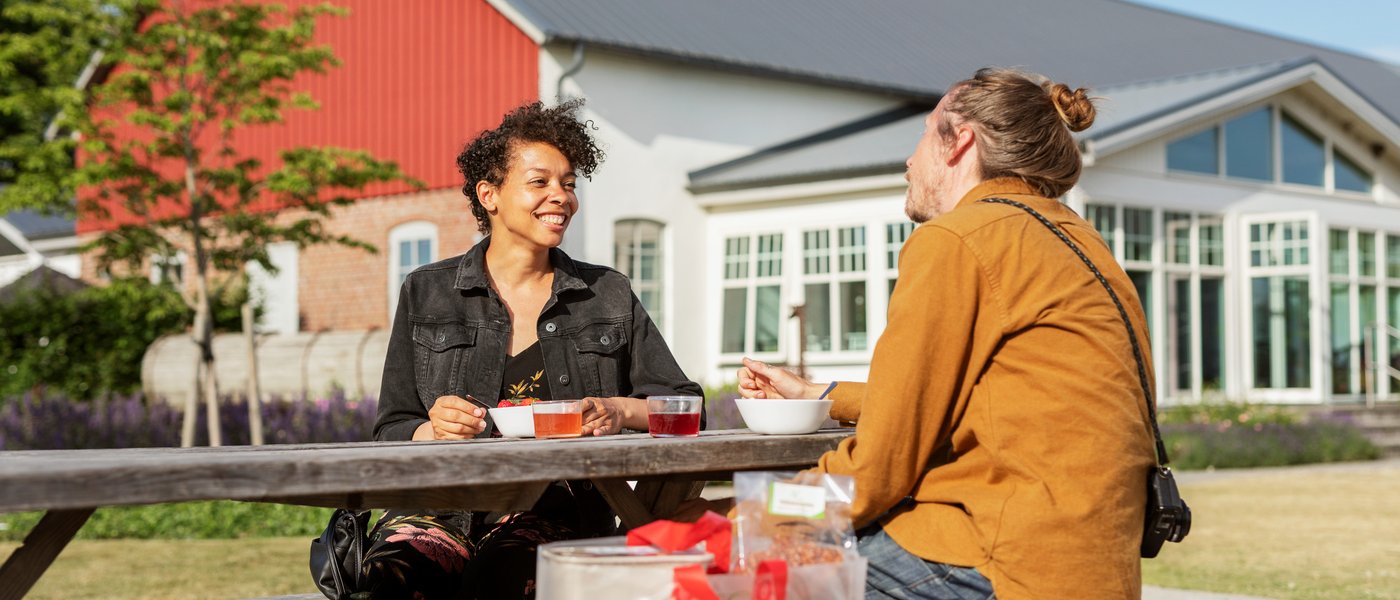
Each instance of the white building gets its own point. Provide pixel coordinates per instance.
(28, 240)
(1250, 184)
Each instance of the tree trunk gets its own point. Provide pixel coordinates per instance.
(191, 406)
(255, 424)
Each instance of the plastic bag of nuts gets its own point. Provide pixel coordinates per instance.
(802, 518)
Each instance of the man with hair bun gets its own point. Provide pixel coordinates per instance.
(1002, 438)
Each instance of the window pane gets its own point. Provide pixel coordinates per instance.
(816, 252)
(651, 301)
(1249, 146)
(770, 255)
(1179, 331)
(1347, 175)
(1137, 234)
(852, 249)
(622, 247)
(767, 319)
(1339, 253)
(1212, 237)
(1366, 253)
(736, 258)
(1282, 334)
(1102, 218)
(1304, 160)
(425, 252)
(405, 255)
(895, 235)
(1341, 339)
(1212, 333)
(735, 319)
(1178, 227)
(1392, 260)
(853, 315)
(1366, 308)
(1390, 342)
(1199, 153)
(818, 316)
(1142, 281)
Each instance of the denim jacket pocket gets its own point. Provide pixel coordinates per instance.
(603, 354)
(439, 350)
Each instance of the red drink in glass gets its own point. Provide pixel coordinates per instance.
(558, 419)
(563, 425)
(674, 424)
(673, 416)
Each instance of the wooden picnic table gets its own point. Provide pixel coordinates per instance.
(488, 474)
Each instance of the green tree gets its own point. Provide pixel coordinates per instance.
(159, 163)
(46, 47)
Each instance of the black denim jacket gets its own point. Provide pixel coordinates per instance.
(451, 335)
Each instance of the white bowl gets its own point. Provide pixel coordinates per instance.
(514, 421)
(783, 417)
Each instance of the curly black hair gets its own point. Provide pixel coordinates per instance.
(487, 158)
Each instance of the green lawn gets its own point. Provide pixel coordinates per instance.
(1300, 534)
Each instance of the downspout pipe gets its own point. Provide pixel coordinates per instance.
(574, 67)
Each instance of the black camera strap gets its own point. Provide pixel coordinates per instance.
(1162, 459)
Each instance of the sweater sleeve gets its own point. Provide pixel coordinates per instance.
(921, 374)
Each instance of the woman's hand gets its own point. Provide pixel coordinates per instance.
(453, 418)
(606, 416)
(761, 380)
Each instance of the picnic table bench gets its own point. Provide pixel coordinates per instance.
(487, 474)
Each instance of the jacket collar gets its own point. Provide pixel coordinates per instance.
(993, 188)
(471, 273)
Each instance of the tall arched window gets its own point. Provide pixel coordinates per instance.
(637, 253)
(411, 245)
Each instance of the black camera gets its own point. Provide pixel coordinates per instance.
(1168, 516)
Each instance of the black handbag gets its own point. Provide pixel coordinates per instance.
(337, 557)
(1168, 517)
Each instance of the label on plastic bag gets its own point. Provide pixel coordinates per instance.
(796, 500)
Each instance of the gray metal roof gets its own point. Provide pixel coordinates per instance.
(915, 47)
(37, 226)
(884, 146)
(8, 248)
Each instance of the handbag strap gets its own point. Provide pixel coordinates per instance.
(1162, 459)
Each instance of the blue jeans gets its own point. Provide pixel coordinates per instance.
(895, 573)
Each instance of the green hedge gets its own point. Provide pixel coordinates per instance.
(1239, 435)
(189, 520)
(89, 344)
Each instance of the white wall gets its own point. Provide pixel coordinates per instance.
(657, 122)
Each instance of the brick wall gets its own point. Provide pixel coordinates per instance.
(348, 288)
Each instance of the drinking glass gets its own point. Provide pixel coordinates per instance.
(673, 416)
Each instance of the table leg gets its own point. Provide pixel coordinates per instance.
(40, 548)
(649, 501)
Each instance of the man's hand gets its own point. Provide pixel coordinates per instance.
(455, 418)
(760, 380)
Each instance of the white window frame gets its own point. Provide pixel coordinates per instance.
(1276, 109)
(1194, 270)
(180, 260)
(750, 282)
(404, 232)
(834, 277)
(633, 271)
(1315, 272)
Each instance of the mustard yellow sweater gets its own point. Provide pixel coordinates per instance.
(1004, 399)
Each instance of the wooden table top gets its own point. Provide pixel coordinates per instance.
(483, 474)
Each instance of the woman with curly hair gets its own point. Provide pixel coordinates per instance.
(514, 317)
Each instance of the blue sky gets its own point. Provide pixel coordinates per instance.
(1366, 27)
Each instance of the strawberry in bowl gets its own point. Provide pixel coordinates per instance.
(514, 417)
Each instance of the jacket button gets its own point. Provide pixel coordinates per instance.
(442, 336)
(564, 379)
(549, 327)
(604, 340)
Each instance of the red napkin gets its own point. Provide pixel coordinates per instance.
(670, 536)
